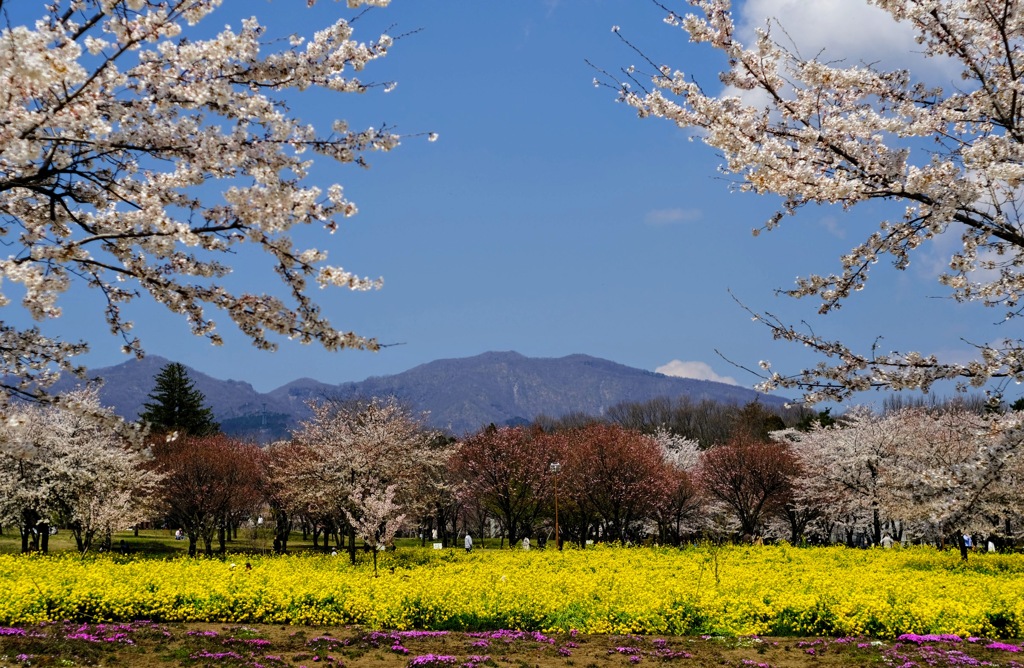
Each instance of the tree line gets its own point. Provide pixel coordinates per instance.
(364, 470)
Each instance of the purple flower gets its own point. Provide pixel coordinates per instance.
(87, 637)
(254, 642)
(624, 650)
(422, 634)
(1002, 647)
(205, 634)
(217, 656)
(433, 660)
(929, 637)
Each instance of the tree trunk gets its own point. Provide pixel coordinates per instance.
(282, 529)
(352, 545)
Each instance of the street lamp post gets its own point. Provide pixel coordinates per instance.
(555, 468)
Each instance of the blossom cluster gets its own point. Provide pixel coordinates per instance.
(826, 129)
(119, 119)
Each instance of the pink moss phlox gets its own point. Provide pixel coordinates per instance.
(929, 637)
(433, 660)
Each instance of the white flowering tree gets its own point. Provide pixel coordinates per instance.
(139, 152)
(24, 494)
(678, 511)
(59, 466)
(375, 517)
(852, 469)
(929, 473)
(813, 130)
(367, 455)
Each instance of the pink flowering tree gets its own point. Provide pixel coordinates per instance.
(507, 469)
(747, 480)
(818, 128)
(618, 477)
(140, 152)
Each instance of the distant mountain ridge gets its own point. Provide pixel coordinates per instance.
(461, 395)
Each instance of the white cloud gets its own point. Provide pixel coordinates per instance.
(696, 370)
(833, 225)
(852, 31)
(661, 217)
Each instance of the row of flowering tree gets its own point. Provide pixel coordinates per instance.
(60, 467)
(914, 474)
(611, 483)
(362, 470)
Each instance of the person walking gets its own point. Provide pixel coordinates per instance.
(469, 542)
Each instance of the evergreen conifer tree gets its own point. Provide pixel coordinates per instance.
(177, 406)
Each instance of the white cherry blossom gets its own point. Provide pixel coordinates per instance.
(117, 123)
(831, 132)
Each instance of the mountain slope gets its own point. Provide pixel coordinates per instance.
(461, 395)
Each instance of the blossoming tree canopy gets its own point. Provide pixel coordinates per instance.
(823, 131)
(137, 153)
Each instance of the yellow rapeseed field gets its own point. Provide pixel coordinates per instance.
(778, 590)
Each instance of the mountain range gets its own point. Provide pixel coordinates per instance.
(460, 395)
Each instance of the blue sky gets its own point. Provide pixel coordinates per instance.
(548, 219)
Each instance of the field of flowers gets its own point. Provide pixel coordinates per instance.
(771, 590)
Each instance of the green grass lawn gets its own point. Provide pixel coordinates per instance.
(161, 542)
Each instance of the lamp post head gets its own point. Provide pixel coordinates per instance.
(555, 467)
